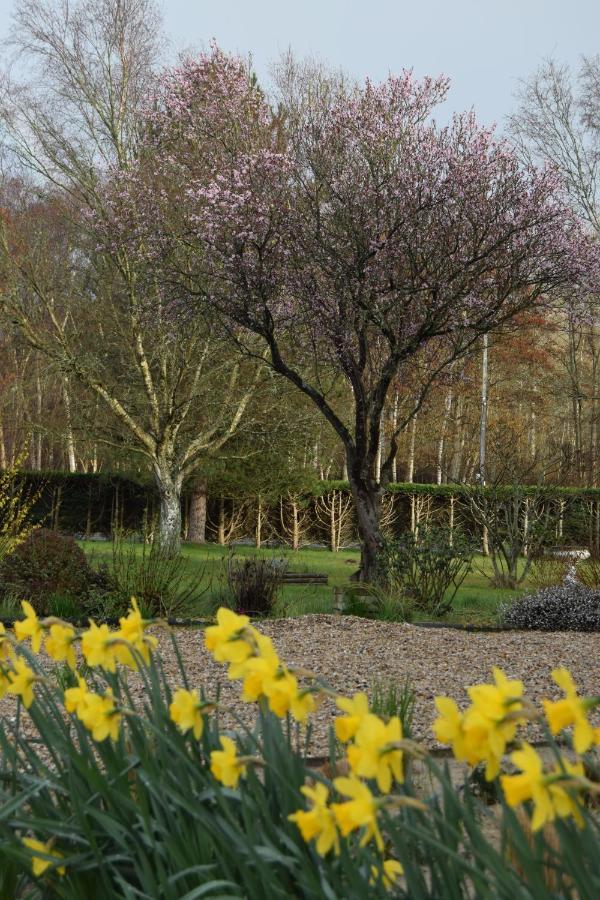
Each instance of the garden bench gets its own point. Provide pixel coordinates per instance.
(304, 578)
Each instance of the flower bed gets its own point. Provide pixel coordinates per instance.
(116, 800)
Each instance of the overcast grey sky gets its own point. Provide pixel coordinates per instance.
(485, 46)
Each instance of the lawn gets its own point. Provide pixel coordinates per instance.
(476, 601)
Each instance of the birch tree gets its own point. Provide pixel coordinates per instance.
(175, 392)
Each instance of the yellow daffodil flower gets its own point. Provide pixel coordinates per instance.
(98, 647)
(4, 681)
(131, 637)
(358, 812)
(390, 871)
(30, 627)
(186, 712)
(258, 670)
(373, 755)
(7, 652)
(39, 864)
(571, 710)
(100, 716)
(318, 821)
(481, 733)
(285, 696)
(75, 698)
(225, 764)
(356, 710)
(22, 679)
(60, 644)
(226, 640)
(550, 798)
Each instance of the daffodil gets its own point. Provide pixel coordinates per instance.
(373, 754)
(360, 811)
(39, 863)
(553, 793)
(226, 765)
(284, 695)
(482, 732)
(60, 644)
(100, 716)
(29, 627)
(389, 873)
(75, 698)
(258, 671)
(131, 640)
(186, 712)
(6, 648)
(318, 821)
(22, 678)
(4, 681)
(227, 639)
(449, 728)
(98, 647)
(356, 709)
(571, 710)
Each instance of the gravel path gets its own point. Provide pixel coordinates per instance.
(349, 653)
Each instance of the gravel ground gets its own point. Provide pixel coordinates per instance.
(349, 653)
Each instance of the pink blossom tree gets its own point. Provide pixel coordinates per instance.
(349, 238)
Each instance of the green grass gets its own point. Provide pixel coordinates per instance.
(476, 601)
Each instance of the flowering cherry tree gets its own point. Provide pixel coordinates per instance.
(349, 238)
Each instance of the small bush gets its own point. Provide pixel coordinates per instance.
(164, 586)
(588, 573)
(254, 583)
(429, 566)
(547, 571)
(382, 602)
(48, 565)
(569, 607)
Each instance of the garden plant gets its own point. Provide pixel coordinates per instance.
(103, 796)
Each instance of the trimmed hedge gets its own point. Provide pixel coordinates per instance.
(83, 504)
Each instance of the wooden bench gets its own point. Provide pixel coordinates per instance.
(304, 578)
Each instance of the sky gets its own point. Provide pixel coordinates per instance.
(484, 46)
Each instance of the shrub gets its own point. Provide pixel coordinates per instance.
(48, 565)
(547, 571)
(16, 507)
(254, 582)
(164, 586)
(588, 573)
(429, 566)
(153, 800)
(568, 607)
(378, 601)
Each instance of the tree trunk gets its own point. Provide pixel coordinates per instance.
(197, 518)
(367, 503)
(410, 473)
(221, 523)
(71, 461)
(169, 519)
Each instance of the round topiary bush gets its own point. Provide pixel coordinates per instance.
(566, 607)
(46, 566)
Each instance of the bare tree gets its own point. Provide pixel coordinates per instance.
(174, 392)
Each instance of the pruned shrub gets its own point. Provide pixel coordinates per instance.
(163, 585)
(568, 607)
(46, 566)
(547, 571)
(254, 582)
(429, 566)
(588, 573)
